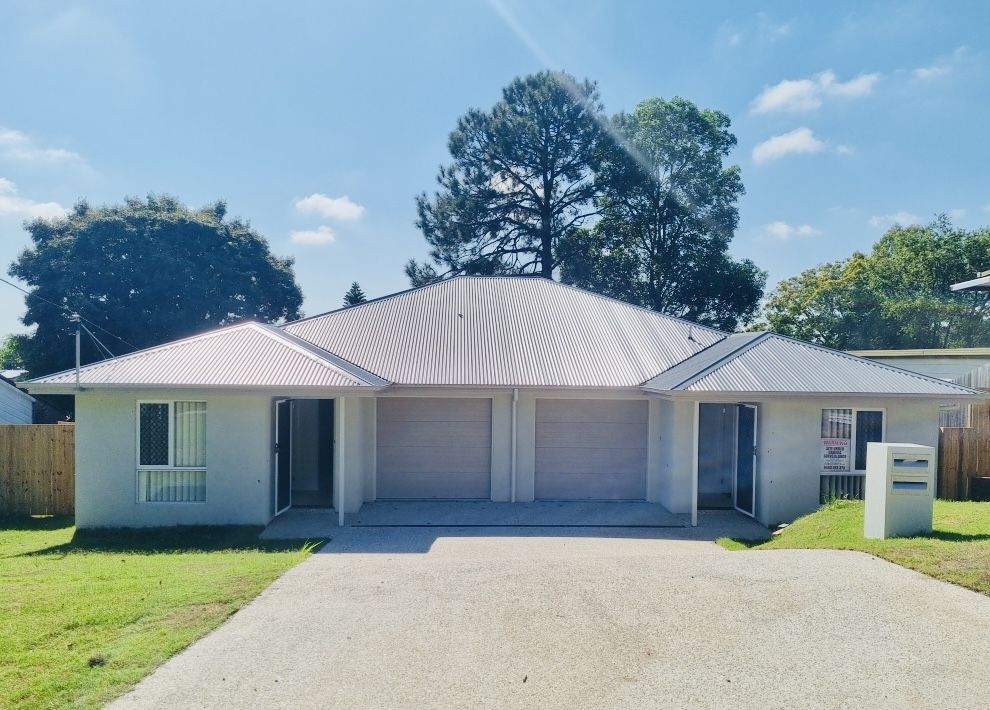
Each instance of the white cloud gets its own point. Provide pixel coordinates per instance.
(12, 204)
(901, 217)
(321, 235)
(343, 208)
(931, 72)
(957, 214)
(808, 94)
(783, 231)
(800, 140)
(15, 145)
(941, 66)
(845, 149)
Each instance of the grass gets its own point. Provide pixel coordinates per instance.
(84, 615)
(957, 551)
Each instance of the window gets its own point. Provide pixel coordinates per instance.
(858, 427)
(171, 452)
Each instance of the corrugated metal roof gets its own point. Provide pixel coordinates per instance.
(500, 332)
(246, 354)
(688, 369)
(506, 331)
(767, 362)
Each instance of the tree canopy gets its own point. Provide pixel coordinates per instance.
(641, 207)
(520, 179)
(896, 296)
(354, 295)
(668, 206)
(10, 353)
(147, 271)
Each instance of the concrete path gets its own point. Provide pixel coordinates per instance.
(297, 523)
(585, 618)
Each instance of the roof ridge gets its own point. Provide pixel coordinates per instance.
(874, 363)
(724, 359)
(507, 277)
(153, 348)
(371, 301)
(323, 356)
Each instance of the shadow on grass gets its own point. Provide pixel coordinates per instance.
(36, 522)
(156, 540)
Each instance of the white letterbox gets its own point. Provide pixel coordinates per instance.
(900, 489)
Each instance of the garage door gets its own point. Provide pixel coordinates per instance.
(434, 448)
(591, 449)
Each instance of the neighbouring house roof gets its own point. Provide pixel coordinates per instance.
(242, 355)
(771, 363)
(506, 331)
(924, 352)
(500, 332)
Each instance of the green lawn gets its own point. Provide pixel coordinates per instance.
(958, 550)
(85, 615)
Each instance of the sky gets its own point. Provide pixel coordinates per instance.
(319, 122)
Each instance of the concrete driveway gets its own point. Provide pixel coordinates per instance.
(585, 618)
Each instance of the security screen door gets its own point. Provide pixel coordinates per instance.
(745, 481)
(283, 455)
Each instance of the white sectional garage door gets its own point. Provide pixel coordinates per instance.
(434, 448)
(591, 449)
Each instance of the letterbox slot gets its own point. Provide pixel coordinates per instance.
(909, 485)
(911, 463)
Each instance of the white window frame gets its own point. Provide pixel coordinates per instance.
(852, 434)
(171, 451)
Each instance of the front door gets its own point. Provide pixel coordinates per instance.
(744, 488)
(283, 455)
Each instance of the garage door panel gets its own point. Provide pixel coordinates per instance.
(440, 486)
(621, 461)
(591, 449)
(447, 409)
(434, 448)
(435, 433)
(586, 435)
(433, 459)
(592, 410)
(590, 486)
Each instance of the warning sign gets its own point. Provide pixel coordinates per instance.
(835, 454)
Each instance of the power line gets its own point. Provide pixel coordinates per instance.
(66, 308)
(96, 340)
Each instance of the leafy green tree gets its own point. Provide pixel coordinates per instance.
(147, 271)
(10, 353)
(520, 179)
(354, 295)
(668, 205)
(897, 296)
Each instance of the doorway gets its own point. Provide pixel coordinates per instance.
(727, 456)
(304, 440)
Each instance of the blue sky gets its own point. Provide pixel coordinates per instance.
(849, 115)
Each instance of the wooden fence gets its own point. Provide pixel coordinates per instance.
(37, 469)
(964, 453)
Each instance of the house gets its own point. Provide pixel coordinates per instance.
(488, 388)
(16, 407)
(964, 366)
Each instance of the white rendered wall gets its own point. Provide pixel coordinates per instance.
(238, 460)
(789, 444)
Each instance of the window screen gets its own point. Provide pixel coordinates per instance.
(869, 427)
(153, 435)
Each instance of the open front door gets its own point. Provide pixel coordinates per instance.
(744, 488)
(283, 455)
